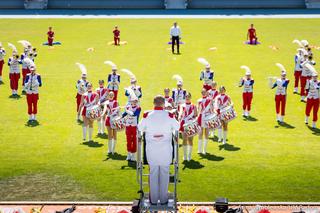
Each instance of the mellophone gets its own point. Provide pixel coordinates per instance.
(214, 121)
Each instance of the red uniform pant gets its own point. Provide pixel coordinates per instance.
(14, 80)
(50, 41)
(32, 100)
(207, 87)
(131, 133)
(1, 67)
(78, 97)
(247, 99)
(25, 72)
(116, 40)
(115, 94)
(303, 82)
(297, 76)
(312, 103)
(251, 38)
(280, 104)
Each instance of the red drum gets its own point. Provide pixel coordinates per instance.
(212, 122)
(191, 128)
(118, 123)
(94, 112)
(228, 114)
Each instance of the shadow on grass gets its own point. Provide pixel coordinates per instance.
(15, 96)
(315, 131)
(211, 157)
(284, 125)
(115, 156)
(32, 123)
(214, 138)
(80, 122)
(229, 147)
(102, 136)
(192, 164)
(130, 165)
(1, 82)
(92, 144)
(250, 118)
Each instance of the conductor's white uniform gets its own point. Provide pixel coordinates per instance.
(158, 126)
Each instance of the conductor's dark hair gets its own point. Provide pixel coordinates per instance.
(159, 101)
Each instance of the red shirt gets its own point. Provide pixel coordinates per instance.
(116, 33)
(50, 34)
(252, 32)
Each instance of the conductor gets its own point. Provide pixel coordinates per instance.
(175, 33)
(158, 126)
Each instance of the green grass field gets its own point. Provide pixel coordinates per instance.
(265, 161)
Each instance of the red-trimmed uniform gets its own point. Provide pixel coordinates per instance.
(305, 75)
(103, 93)
(50, 35)
(24, 58)
(32, 84)
(298, 58)
(281, 86)
(168, 100)
(188, 113)
(112, 111)
(178, 97)
(89, 99)
(313, 88)
(207, 77)
(204, 109)
(116, 36)
(247, 93)
(131, 116)
(2, 54)
(113, 84)
(81, 89)
(14, 74)
(222, 101)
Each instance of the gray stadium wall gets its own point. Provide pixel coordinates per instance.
(157, 4)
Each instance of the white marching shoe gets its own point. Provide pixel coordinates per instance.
(306, 120)
(128, 156)
(314, 125)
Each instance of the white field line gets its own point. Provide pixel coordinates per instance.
(164, 16)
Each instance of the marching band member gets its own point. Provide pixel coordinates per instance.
(178, 94)
(158, 148)
(212, 94)
(102, 91)
(50, 34)
(247, 94)
(305, 75)
(297, 70)
(131, 116)
(32, 83)
(14, 73)
(188, 112)
(175, 33)
(113, 111)
(25, 59)
(205, 110)
(81, 86)
(206, 75)
(167, 98)
(281, 93)
(223, 101)
(116, 36)
(134, 87)
(313, 88)
(2, 54)
(113, 79)
(88, 99)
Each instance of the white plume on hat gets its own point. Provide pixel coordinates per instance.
(204, 62)
(129, 73)
(25, 43)
(29, 62)
(113, 65)
(132, 94)
(82, 68)
(304, 43)
(312, 69)
(14, 49)
(247, 69)
(281, 67)
(178, 78)
(296, 41)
